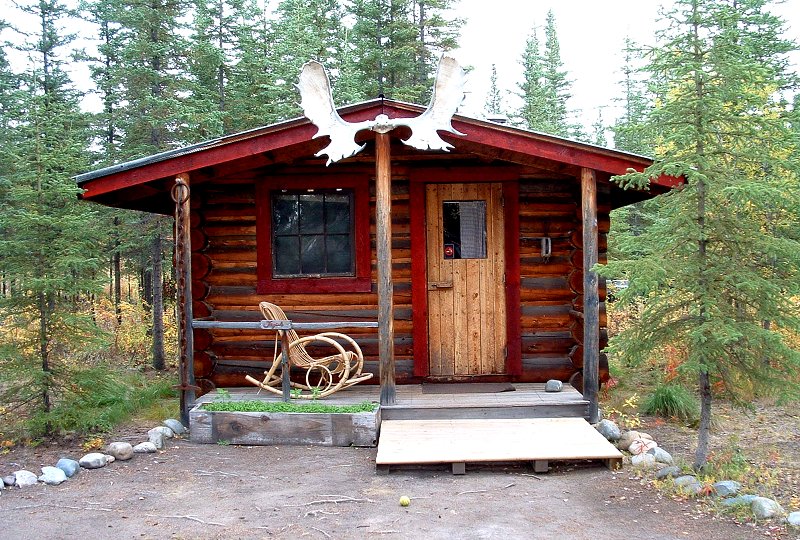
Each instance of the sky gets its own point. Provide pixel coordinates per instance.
(591, 35)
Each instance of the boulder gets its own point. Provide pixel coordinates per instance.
(175, 426)
(553, 385)
(647, 461)
(25, 478)
(93, 460)
(739, 500)
(120, 450)
(145, 448)
(685, 479)
(609, 430)
(52, 476)
(9, 480)
(626, 439)
(69, 466)
(661, 455)
(793, 519)
(641, 446)
(764, 508)
(156, 438)
(671, 471)
(726, 488)
(168, 433)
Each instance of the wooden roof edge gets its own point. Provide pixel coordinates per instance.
(577, 152)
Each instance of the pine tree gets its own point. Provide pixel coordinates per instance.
(494, 99)
(535, 110)
(630, 133)
(49, 246)
(555, 79)
(723, 255)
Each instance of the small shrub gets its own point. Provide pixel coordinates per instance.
(280, 406)
(672, 401)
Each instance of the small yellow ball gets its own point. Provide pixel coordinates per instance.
(404, 501)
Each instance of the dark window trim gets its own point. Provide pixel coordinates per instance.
(361, 282)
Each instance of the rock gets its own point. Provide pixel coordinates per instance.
(156, 438)
(93, 460)
(641, 446)
(120, 450)
(168, 433)
(685, 479)
(553, 385)
(764, 508)
(726, 488)
(644, 460)
(671, 471)
(145, 448)
(110, 459)
(647, 436)
(175, 426)
(626, 439)
(661, 455)
(52, 476)
(688, 485)
(739, 500)
(69, 466)
(10, 479)
(609, 430)
(25, 478)
(793, 519)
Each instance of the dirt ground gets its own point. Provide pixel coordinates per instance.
(213, 491)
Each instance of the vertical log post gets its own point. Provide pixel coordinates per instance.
(383, 229)
(183, 275)
(285, 382)
(591, 300)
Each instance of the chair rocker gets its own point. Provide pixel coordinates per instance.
(332, 373)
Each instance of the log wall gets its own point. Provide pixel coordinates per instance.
(224, 254)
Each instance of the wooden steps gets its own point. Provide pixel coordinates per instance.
(461, 441)
(529, 400)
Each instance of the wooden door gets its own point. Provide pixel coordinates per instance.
(466, 269)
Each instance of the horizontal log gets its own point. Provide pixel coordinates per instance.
(547, 187)
(202, 339)
(201, 265)
(264, 348)
(199, 289)
(539, 227)
(547, 210)
(198, 239)
(203, 364)
(548, 346)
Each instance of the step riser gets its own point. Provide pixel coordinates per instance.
(445, 413)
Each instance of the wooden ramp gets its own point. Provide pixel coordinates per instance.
(462, 441)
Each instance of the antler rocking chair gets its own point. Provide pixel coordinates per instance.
(331, 373)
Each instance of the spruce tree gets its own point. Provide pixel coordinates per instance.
(723, 254)
(494, 99)
(49, 247)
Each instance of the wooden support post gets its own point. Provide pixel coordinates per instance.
(591, 300)
(285, 381)
(183, 270)
(383, 240)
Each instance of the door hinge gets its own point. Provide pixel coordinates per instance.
(505, 353)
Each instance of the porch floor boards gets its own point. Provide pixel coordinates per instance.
(458, 442)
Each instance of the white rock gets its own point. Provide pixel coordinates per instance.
(52, 476)
(175, 426)
(641, 446)
(120, 450)
(25, 478)
(93, 460)
(644, 460)
(661, 455)
(764, 508)
(793, 519)
(145, 448)
(156, 438)
(168, 433)
(608, 429)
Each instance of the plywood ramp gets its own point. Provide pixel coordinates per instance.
(404, 442)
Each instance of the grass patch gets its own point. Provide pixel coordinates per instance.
(283, 407)
(672, 401)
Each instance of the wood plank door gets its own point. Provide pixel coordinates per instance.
(465, 271)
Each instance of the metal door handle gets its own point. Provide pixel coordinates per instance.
(436, 285)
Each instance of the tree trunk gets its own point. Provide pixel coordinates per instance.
(158, 302)
(701, 454)
(117, 273)
(44, 308)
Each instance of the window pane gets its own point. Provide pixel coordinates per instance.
(311, 213)
(312, 252)
(337, 213)
(286, 255)
(464, 229)
(339, 253)
(284, 214)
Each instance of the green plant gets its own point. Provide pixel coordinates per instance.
(626, 416)
(223, 442)
(280, 406)
(295, 393)
(672, 401)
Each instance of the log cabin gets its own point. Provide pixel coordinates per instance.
(491, 247)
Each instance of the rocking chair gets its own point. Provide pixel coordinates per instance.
(332, 373)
